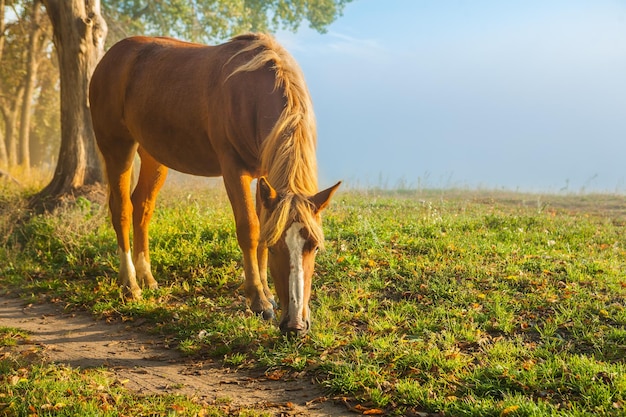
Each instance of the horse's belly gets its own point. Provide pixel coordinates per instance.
(203, 170)
(185, 157)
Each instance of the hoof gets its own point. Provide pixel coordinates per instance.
(148, 282)
(264, 308)
(132, 294)
(268, 314)
(274, 305)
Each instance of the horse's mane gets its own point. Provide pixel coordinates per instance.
(288, 153)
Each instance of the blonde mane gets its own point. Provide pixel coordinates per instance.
(288, 153)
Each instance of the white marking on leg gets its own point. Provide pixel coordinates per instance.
(142, 265)
(127, 269)
(144, 273)
(295, 243)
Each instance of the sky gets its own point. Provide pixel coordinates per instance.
(526, 95)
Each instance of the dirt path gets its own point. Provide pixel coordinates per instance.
(151, 368)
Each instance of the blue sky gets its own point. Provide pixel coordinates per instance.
(519, 94)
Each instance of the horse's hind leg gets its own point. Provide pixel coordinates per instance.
(151, 178)
(119, 164)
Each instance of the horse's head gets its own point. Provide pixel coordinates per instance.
(294, 238)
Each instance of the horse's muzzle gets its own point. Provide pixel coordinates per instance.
(298, 329)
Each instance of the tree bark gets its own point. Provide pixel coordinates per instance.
(4, 159)
(10, 122)
(34, 45)
(2, 26)
(10, 112)
(79, 33)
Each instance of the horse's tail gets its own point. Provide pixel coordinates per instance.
(288, 153)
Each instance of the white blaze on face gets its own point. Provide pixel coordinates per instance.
(295, 243)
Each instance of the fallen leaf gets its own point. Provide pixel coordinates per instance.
(509, 410)
(276, 375)
(373, 412)
(177, 408)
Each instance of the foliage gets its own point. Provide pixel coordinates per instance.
(198, 20)
(458, 303)
(211, 20)
(13, 72)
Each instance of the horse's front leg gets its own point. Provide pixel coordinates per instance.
(262, 257)
(238, 188)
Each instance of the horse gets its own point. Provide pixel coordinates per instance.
(240, 110)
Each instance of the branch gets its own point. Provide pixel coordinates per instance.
(140, 13)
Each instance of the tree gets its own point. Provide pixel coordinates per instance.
(46, 123)
(24, 37)
(4, 160)
(36, 39)
(79, 35)
(9, 108)
(11, 86)
(79, 31)
(216, 20)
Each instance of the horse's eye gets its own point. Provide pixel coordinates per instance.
(311, 247)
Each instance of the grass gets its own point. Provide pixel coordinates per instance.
(464, 303)
(31, 387)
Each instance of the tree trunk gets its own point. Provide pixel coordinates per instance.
(34, 43)
(3, 26)
(10, 122)
(79, 33)
(4, 159)
(10, 113)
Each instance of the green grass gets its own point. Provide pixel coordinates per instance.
(31, 387)
(464, 303)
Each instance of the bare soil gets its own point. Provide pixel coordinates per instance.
(151, 367)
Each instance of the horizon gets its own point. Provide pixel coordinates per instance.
(524, 95)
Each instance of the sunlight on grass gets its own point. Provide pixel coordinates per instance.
(453, 302)
(29, 387)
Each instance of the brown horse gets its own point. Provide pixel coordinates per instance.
(240, 110)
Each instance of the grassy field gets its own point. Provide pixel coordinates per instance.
(467, 303)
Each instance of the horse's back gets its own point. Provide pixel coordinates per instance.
(118, 77)
(174, 98)
(137, 67)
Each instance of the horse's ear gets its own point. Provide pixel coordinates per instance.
(322, 199)
(269, 196)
